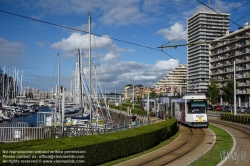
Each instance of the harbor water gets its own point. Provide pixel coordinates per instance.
(31, 118)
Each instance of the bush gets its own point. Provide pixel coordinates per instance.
(243, 119)
(104, 147)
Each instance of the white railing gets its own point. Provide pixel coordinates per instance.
(15, 132)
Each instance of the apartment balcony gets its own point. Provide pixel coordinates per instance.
(243, 84)
(247, 91)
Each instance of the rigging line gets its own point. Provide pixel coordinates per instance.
(228, 12)
(218, 13)
(53, 79)
(97, 57)
(67, 27)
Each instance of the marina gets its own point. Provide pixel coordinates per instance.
(36, 126)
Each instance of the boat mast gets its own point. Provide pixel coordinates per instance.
(80, 74)
(90, 83)
(3, 95)
(59, 88)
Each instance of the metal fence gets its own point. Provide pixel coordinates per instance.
(15, 132)
(20, 131)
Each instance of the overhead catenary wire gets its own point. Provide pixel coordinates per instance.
(228, 12)
(67, 27)
(219, 13)
(78, 30)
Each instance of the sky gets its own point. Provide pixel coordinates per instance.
(124, 40)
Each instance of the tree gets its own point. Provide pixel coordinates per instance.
(229, 91)
(213, 92)
(152, 94)
(139, 98)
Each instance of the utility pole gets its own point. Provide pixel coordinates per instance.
(235, 112)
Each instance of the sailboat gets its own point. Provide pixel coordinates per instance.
(92, 112)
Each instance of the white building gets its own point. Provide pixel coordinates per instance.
(174, 82)
(203, 26)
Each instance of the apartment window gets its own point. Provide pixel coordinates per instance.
(243, 50)
(242, 35)
(242, 66)
(231, 53)
(231, 68)
(214, 45)
(232, 45)
(242, 42)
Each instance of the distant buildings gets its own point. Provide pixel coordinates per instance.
(236, 47)
(203, 26)
(8, 87)
(135, 91)
(170, 85)
(174, 82)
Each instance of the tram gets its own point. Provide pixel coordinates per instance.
(193, 111)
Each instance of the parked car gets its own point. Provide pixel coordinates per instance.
(209, 107)
(238, 109)
(247, 111)
(243, 109)
(217, 108)
(227, 108)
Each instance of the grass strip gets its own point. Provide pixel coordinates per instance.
(224, 142)
(168, 141)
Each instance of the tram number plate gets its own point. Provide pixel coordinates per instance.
(200, 119)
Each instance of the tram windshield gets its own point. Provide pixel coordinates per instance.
(196, 107)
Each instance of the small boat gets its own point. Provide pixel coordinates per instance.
(1, 119)
(5, 118)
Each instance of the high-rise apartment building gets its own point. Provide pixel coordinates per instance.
(203, 26)
(174, 82)
(224, 51)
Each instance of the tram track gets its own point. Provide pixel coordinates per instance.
(243, 128)
(190, 139)
(240, 133)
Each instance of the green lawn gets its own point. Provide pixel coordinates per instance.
(224, 142)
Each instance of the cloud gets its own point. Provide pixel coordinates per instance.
(76, 40)
(85, 27)
(175, 31)
(122, 72)
(11, 53)
(110, 57)
(129, 14)
(40, 44)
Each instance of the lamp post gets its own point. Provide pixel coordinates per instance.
(133, 98)
(235, 112)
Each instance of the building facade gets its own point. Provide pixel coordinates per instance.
(135, 91)
(224, 51)
(174, 82)
(203, 26)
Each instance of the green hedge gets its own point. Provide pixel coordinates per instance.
(104, 147)
(244, 119)
(138, 106)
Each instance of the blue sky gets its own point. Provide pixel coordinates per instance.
(32, 46)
